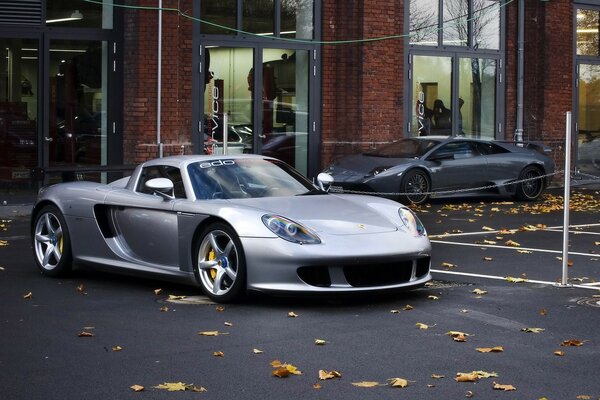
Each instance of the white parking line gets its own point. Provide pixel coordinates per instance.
(495, 246)
(496, 231)
(503, 278)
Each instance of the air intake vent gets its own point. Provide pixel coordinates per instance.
(21, 12)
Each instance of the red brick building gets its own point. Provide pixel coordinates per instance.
(93, 87)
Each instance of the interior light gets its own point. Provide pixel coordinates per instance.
(75, 16)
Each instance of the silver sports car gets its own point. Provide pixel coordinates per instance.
(413, 169)
(231, 224)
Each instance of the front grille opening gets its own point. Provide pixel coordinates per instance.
(423, 266)
(315, 276)
(378, 274)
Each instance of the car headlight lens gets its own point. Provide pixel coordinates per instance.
(289, 230)
(412, 222)
(378, 170)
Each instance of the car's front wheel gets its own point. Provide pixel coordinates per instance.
(415, 187)
(51, 242)
(220, 263)
(531, 184)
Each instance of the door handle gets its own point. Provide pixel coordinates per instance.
(48, 139)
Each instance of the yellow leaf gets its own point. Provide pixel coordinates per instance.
(320, 342)
(487, 228)
(559, 353)
(212, 333)
(498, 386)
(324, 375)
(543, 312)
(257, 351)
(218, 354)
(117, 348)
(512, 243)
(497, 349)
(317, 386)
(407, 307)
(365, 384)
(466, 377)
(489, 242)
(572, 342)
(219, 308)
(448, 265)
(292, 314)
(423, 326)
(137, 388)
(583, 397)
(172, 386)
(164, 309)
(173, 297)
(3, 243)
(456, 334)
(525, 251)
(85, 334)
(479, 292)
(488, 259)
(436, 376)
(532, 330)
(515, 280)
(157, 291)
(433, 297)
(398, 382)
(28, 296)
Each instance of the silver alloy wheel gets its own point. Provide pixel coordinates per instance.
(218, 262)
(48, 241)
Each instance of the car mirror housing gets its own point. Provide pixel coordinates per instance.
(161, 186)
(325, 180)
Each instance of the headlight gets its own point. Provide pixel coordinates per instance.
(411, 221)
(289, 230)
(378, 170)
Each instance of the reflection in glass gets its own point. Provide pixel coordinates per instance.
(79, 14)
(486, 24)
(285, 106)
(588, 154)
(455, 26)
(222, 13)
(297, 18)
(588, 24)
(78, 103)
(258, 17)
(228, 100)
(477, 97)
(432, 91)
(19, 91)
(424, 22)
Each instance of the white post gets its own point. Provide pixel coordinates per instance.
(225, 133)
(565, 252)
(159, 83)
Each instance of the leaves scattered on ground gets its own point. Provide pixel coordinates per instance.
(180, 387)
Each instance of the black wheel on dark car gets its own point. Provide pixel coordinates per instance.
(220, 263)
(531, 184)
(51, 242)
(416, 187)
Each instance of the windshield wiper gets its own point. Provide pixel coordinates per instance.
(312, 192)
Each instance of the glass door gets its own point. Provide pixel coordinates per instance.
(77, 113)
(588, 119)
(19, 97)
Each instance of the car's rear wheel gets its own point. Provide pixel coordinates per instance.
(51, 242)
(531, 184)
(415, 187)
(220, 263)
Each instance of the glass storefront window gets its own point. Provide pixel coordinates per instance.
(455, 26)
(432, 91)
(228, 101)
(79, 14)
(486, 25)
(477, 97)
(19, 90)
(221, 15)
(588, 35)
(258, 17)
(588, 154)
(424, 22)
(78, 103)
(297, 18)
(285, 106)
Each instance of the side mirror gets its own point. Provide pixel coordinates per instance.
(162, 187)
(325, 180)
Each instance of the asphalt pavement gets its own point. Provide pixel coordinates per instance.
(496, 288)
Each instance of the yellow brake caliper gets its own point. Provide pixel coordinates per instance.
(211, 256)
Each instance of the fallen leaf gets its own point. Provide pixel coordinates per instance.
(28, 296)
(543, 312)
(292, 314)
(572, 342)
(458, 336)
(281, 372)
(395, 311)
(489, 242)
(532, 330)
(157, 291)
(218, 354)
(448, 265)
(515, 280)
(227, 324)
(173, 297)
(423, 326)
(497, 349)
(466, 377)
(172, 386)
(324, 375)
(407, 307)
(436, 376)
(212, 333)
(479, 292)
(487, 228)
(433, 297)
(164, 309)
(117, 348)
(469, 394)
(488, 259)
(257, 351)
(583, 397)
(137, 388)
(2, 269)
(512, 243)
(525, 251)
(559, 353)
(320, 342)
(81, 288)
(398, 382)
(85, 334)
(317, 386)
(366, 384)
(219, 308)
(498, 386)
(3, 243)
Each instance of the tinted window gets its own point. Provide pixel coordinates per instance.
(458, 149)
(405, 148)
(490, 148)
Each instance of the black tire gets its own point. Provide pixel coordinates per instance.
(51, 242)
(220, 263)
(531, 189)
(416, 185)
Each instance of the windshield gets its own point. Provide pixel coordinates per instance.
(239, 178)
(405, 148)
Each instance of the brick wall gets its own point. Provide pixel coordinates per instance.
(140, 80)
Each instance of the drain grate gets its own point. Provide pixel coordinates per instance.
(589, 301)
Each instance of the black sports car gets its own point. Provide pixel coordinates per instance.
(413, 169)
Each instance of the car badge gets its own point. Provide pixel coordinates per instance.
(361, 226)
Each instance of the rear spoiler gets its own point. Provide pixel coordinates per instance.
(537, 146)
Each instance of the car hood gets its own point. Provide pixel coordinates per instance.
(330, 214)
(360, 166)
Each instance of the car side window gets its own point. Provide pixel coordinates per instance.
(458, 150)
(162, 171)
(490, 149)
